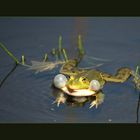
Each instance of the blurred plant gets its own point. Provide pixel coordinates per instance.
(65, 55)
(136, 77)
(45, 57)
(80, 46)
(43, 66)
(22, 59)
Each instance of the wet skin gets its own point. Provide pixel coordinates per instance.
(81, 78)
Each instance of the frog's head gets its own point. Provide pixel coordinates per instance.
(78, 82)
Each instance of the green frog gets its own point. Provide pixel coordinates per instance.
(81, 78)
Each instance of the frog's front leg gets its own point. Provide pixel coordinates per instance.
(99, 100)
(61, 98)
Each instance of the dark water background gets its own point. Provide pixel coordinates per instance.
(27, 97)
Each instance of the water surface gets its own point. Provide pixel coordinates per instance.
(27, 97)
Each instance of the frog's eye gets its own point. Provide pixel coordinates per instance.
(73, 71)
(83, 79)
(71, 77)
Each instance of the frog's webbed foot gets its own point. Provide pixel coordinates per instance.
(99, 100)
(60, 99)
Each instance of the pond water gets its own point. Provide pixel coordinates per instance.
(26, 97)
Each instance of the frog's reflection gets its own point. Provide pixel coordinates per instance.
(61, 97)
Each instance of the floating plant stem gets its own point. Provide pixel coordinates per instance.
(9, 53)
(22, 59)
(45, 57)
(137, 70)
(54, 52)
(65, 54)
(80, 45)
(60, 44)
(59, 51)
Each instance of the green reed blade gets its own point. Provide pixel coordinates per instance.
(137, 70)
(9, 53)
(23, 59)
(65, 54)
(45, 57)
(60, 44)
(80, 45)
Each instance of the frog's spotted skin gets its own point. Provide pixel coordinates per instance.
(70, 68)
(121, 76)
(80, 79)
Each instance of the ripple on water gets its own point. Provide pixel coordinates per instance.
(23, 92)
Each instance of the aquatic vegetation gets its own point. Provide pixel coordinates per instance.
(59, 53)
(60, 44)
(80, 46)
(9, 53)
(14, 67)
(65, 55)
(136, 77)
(22, 59)
(43, 66)
(45, 57)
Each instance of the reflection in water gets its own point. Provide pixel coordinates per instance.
(12, 70)
(80, 28)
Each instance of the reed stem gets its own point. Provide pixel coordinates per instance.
(60, 44)
(80, 45)
(45, 57)
(9, 53)
(22, 59)
(65, 55)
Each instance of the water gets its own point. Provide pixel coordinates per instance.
(28, 97)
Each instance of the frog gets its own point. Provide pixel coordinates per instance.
(79, 79)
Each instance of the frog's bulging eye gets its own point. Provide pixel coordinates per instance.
(83, 79)
(71, 77)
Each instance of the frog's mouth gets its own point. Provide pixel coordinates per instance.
(78, 92)
(74, 87)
